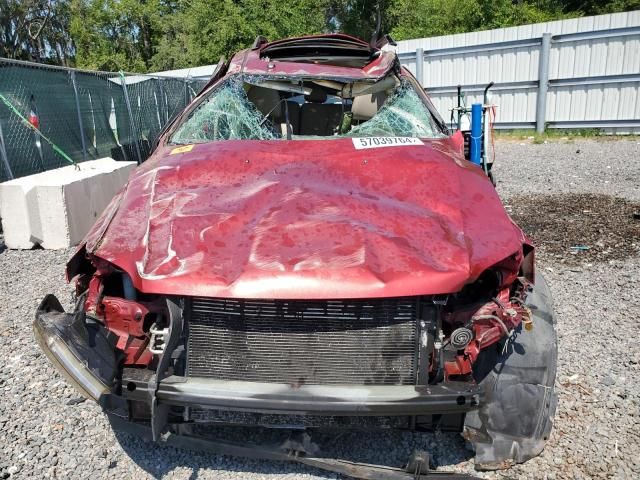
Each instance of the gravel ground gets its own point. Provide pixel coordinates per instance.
(47, 431)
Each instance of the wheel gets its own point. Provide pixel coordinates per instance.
(515, 418)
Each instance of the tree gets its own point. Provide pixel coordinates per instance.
(599, 7)
(167, 34)
(215, 28)
(170, 51)
(425, 18)
(359, 17)
(35, 30)
(116, 34)
(152, 35)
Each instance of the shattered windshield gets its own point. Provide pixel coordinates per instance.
(403, 114)
(226, 114)
(245, 107)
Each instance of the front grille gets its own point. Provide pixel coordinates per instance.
(318, 342)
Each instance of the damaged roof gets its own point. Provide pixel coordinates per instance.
(333, 55)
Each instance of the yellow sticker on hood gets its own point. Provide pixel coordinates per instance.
(183, 149)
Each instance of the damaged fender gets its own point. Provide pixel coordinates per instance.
(515, 420)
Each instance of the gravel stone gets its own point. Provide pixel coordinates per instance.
(46, 433)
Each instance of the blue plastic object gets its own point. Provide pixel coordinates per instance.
(475, 143)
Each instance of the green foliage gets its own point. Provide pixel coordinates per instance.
(115, 34)
(359, 17)
(35, 30)
(425, 18)
(599, 7)
(151, 35)
(215, 28)
(170, 51)
(417, 19)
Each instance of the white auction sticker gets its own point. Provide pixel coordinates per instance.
(379, 142)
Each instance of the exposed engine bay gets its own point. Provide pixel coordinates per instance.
(453, 328)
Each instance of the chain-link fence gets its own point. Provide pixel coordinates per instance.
(81, 115)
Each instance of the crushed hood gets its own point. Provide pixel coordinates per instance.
(305, 219)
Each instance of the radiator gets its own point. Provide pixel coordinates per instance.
(315, 342)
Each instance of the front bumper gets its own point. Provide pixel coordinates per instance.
(85, 354)
(336, 400)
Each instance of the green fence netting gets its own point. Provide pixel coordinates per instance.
(69, 106)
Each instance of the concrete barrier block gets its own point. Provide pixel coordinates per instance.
(13, 211)
(55, 209)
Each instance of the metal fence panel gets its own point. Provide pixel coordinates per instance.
(594, 71)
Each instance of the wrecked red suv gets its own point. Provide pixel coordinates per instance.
(308, 246)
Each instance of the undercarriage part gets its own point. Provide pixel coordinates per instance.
(515, 419)
(422, 423)
(480, 327)
(158, 339)
(444, 423)
(159, 410)
(295, 450)
(461, 337)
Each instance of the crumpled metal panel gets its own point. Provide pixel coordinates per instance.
(305, 219)
(249, 61)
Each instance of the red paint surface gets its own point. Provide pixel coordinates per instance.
(250, 61)
(305, 219)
